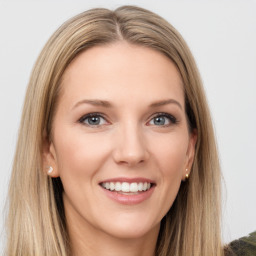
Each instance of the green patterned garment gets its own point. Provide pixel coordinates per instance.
(245, 246)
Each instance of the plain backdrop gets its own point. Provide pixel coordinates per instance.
(222, 37)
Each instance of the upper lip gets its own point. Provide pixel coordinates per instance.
(129, 180)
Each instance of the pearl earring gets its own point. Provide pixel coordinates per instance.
(187, 174)
(50, 170)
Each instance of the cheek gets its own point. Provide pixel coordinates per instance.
(79, 154)
(171, 165)
(171, 154)
(170, 157)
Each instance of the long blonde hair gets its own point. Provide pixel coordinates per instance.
(36, 220)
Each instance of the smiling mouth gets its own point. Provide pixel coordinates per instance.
(126, 187)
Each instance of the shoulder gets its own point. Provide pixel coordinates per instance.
(245, 246)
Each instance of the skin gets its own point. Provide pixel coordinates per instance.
(128, 142)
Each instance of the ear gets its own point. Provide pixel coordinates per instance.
(50, 165)
(190, 153)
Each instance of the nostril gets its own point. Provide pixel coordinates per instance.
(130, 158)
(130, 162)
(130, 148)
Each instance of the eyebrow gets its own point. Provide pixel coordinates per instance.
(101, 103)
(107, 104)
(165, 102)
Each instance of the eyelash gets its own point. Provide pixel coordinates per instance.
(91, 115)
(173, 120)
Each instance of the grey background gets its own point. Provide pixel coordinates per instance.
(222, 37)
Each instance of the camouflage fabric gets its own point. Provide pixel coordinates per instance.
(245, 246)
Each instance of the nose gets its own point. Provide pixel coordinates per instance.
(130, 147)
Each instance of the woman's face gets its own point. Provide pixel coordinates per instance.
(121, 144)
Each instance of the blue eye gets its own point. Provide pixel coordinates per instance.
(163, 119)
(93, 119)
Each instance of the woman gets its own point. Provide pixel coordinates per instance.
(116, 151)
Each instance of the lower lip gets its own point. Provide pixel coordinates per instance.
(129, 199)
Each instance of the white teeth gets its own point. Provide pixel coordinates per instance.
(112, 186)
(125, 187)
(133, 187)
(140, 187)
(118, 186)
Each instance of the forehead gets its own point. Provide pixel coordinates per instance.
(122, 70)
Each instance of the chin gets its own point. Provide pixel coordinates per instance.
(131, 229)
